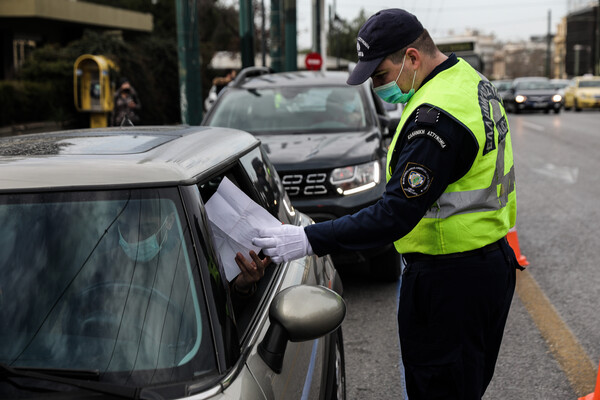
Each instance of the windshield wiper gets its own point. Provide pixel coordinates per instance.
(7, 372)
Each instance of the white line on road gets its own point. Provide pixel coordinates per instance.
(533, 126)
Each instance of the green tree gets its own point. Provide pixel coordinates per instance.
(148, 60)
(341, 41)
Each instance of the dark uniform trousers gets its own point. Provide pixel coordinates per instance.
(451, 319)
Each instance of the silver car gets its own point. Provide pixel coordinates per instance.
(111, 285)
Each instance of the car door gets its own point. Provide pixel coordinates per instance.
(303, 364)
(302, 369)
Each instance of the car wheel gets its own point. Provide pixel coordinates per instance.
(387, 266)
(577, 108)
(336, 371)
(556, 110)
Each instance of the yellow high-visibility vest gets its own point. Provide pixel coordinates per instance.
(480, 207)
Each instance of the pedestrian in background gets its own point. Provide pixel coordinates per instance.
(126, 105)
(449, 202)
(221, 81)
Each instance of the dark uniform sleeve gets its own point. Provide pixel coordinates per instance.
(435, 151)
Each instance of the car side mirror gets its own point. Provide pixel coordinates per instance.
(297, 314)
(384, 120)
(392, 126)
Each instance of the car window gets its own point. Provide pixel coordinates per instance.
(268, 186)
(244, 176)
(502, 85)
(102, 280)
(588, 84)
(534, 85)
(292, 110)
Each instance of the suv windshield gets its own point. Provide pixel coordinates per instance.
(101, 280)
(292, 110)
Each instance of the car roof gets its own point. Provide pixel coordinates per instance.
(295, 78)
(117, 157)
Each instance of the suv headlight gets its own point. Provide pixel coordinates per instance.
(520, 98)
(355, 178)
(556, 98)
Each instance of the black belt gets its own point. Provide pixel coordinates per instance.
(420, 257)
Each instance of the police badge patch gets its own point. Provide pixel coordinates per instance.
(416, 180)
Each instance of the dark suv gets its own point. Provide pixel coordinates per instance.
(327, 140)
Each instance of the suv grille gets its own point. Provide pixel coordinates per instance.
(306, 184)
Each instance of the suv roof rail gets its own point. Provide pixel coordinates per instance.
(250, 72)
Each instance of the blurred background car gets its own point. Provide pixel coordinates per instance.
(532, 94)
(114, 286)
(327, 140)
(583, 93)
(502, 86)
(560, 85)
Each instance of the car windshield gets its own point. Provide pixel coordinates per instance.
(560, 84)
(101, 281)
(534, 85)
(292, 110)
(590, 83)
(502, 85)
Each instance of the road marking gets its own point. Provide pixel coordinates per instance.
(563, 344)
(566, 174)
(533, 126)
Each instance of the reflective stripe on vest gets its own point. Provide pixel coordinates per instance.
(480, 207)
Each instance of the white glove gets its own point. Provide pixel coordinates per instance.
(283, 243)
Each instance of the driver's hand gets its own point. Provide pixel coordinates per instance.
(251, 271)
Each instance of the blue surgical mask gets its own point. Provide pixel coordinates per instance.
(391, 92)
(144, 250)
(349, 107)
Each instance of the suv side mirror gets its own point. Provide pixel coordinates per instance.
(384, 121)
(392, 126)
(297, 314)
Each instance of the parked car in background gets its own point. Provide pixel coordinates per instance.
(111, 284)
(327, 140)
(583, 93)
(532, 94)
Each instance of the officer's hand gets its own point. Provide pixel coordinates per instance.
(283, 243)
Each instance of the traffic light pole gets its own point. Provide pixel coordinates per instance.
(247, 33)
(276, 42)
(291, 35)
(188, 50)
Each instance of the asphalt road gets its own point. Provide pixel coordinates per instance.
(551, 347)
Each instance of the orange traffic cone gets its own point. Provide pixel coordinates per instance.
(513, 241)
(596, 394)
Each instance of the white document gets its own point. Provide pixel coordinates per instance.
(235, 219)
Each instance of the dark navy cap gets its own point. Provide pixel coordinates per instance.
(383, 34)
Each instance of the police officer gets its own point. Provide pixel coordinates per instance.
(449, 203)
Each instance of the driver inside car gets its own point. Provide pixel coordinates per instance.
(143, 234)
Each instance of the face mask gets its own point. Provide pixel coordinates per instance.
(145, 250)
(391, 92)
(349, 107)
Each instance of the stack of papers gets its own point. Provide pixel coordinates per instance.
(235, 220)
